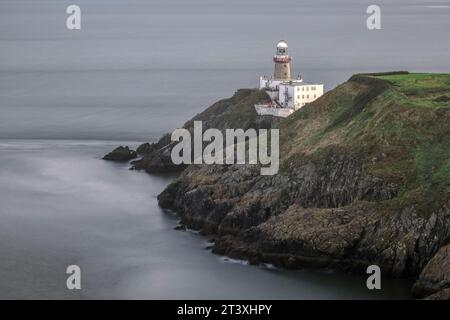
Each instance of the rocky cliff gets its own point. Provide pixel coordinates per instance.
(434, 281)
(365, 179)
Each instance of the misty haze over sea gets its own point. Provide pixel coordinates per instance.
(138, 69)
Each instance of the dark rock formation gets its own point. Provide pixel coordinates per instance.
(434, 281)
(121, 154)
(341, 226)
(440, 295)
(363, 181)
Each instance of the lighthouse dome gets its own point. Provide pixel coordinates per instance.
(282, 44)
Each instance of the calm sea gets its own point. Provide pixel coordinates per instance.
(138, 69)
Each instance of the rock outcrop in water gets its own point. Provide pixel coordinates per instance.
(121, 154)
(364, 179)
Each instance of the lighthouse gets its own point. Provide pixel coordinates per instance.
(287, 95)
(282, 62)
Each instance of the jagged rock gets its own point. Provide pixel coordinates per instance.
(146, 148)
(121, 154)
(435, 277)
(359, 185)
(440, 295)
(270, 211)
(180, 227)
(363, 180)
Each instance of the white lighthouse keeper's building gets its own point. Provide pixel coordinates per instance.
(297, 94)
(287, 94)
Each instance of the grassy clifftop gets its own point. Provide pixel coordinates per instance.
(364, 179)
(399, 124)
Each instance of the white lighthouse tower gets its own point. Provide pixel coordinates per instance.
(287, 95)
(282, 71)
(282, 62)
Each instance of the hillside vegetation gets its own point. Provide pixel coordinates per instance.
(364, 179)
(398, 124)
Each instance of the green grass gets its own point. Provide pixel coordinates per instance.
(418, 80)
(426, 90)
(415, 130)
(401, 125)
(427, 179)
